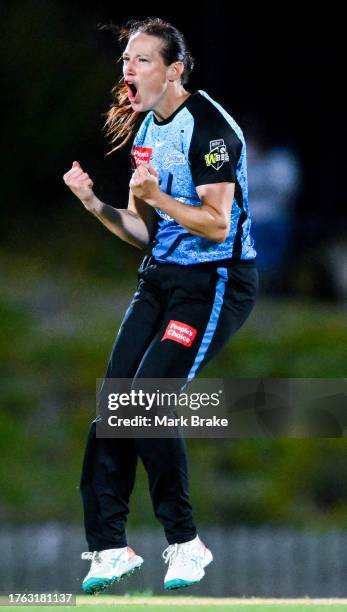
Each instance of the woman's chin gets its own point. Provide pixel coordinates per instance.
(137, 106)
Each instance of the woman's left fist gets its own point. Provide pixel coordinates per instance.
(145, 182)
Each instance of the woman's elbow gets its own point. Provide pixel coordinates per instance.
(220, 238)
(220, 233)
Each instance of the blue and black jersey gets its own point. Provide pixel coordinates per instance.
(199, 144)
(181, 315)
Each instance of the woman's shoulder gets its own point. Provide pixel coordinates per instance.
(211, 115)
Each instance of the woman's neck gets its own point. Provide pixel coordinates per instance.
(170, 103)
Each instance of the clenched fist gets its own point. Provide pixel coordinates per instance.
(145, 182)
(80, 184)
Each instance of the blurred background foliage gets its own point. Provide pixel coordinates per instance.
(66, 281)
(58, 329)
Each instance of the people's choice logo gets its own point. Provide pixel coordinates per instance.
(142, 154)
(217, 155)
(180, 332)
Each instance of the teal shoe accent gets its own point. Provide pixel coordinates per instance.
(134, 569)
(95, 585)
(178, 583)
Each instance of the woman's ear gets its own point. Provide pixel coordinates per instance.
(175, 71)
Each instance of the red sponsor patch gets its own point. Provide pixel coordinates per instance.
(141, 154)
(180, 332)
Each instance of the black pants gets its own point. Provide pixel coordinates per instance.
(178, 319)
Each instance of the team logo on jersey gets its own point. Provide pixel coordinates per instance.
(141, 154)
(180, 332)
(218, 154)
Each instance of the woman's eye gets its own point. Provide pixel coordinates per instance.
(142, 59)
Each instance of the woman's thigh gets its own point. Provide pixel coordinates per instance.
(202, 315)
(138, 328)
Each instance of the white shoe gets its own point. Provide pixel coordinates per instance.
(109, 566)
(186, 563)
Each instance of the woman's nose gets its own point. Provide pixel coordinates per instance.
(129, 69)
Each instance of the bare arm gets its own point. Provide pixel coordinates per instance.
(211, 220)
(134, 225)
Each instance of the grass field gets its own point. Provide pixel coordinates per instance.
(194, 604)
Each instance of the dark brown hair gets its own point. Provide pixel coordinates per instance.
(121, 119)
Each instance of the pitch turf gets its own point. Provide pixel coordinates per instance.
(193, 604)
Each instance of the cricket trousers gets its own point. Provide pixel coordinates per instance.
(211, 301)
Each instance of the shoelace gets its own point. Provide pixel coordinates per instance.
(177, 551)
(91, 556)
(94, 557)
(170, 553)
(96, 560)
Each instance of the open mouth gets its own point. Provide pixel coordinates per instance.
(132, 91)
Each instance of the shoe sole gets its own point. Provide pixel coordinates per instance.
(179, 583)
(97, 585)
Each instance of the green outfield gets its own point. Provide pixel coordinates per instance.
(195, 604)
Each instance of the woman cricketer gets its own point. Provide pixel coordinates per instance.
(188, 200)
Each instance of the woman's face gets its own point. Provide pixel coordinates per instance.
(145, 74)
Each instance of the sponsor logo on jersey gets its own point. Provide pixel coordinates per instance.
(217, 155)
(180, 332)
(175, 157)
(163, 215)
(141, 154)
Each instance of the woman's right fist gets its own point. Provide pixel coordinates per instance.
(80, 184)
